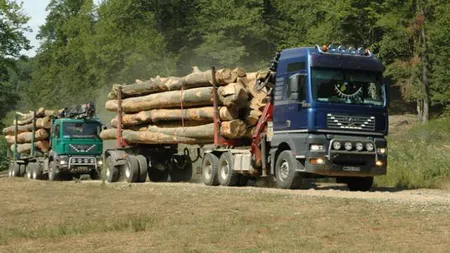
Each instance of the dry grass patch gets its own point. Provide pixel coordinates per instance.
(90, 217)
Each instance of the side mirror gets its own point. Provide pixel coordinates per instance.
(293, 87)
(296, 87)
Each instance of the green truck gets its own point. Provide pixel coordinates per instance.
(75, 148)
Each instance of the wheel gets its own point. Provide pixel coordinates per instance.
(210, 167)
(30, 168)
(360, 183)
(155, 174)
(112, 172)
(94, 174)
(15, 170)
(36, 172)
(227, 176)
(53, 174)
(143, 168)
(181, 173)
(285, 171)
(131, 169)
(22, 170)
(243, 180)
(11, 169)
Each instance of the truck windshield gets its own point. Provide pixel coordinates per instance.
(347, 86)
(81, 129)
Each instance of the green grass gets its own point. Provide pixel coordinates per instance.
(3, 153)
(419, 157)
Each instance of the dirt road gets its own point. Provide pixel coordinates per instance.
(89, 216)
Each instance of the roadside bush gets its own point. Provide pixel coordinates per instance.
(419, 157)
(3, 153)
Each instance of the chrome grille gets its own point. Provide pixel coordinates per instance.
(81, 148)
(350, 122)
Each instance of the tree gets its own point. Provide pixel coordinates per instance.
(12, 41)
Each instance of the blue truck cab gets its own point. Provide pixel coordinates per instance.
(330, 111)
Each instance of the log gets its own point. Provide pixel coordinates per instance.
(239, 72)
(166, 124)
(233, 95)
(45, 123)
(203, 114)
(173, 135)
(26, 137)
(170, 99)
(155, 85)
(233, 129)
(43, 146)
(146, 137)
(28, 119)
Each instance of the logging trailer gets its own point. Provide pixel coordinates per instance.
(326, 116)
(75, 147)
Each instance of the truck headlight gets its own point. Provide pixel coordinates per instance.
(337, 145)
(99, 162)
(369, 147)
(316, 147)
(63, 162)
(382, 151)
(359, 146)
(348, 146)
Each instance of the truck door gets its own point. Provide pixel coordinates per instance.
(290, 94)
(56, 136)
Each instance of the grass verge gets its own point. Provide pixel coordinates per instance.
(419, 157)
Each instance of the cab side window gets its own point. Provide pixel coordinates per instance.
(56, 131)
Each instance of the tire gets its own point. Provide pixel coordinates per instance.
(53, 174)
(143, 168)
(183, 174)
(10, 169)
(29, 169)
(155, 174)
(94, 175)
(243, 180)
(286, 176)
(36, 172)
(112, 172)
(22, 170)
(15, 170)
(210, 167)
(227, 176)
(131, 169)
(360, 183)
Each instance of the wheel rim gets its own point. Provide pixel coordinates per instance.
(224, 170)
(34, 174)
(108, 172)
(127, 171)
(29, 174)
(207, 171)
(284, 171)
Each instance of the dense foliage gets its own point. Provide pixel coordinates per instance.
(87, 47)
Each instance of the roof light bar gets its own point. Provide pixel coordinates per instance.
(333, 49)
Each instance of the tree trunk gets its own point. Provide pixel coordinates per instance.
(45, 123)
(172, 135)
(172, 99)
(42, 146)
(26, 137)
(194, 80)
(193, 114)
(425, 64)
(233, 95)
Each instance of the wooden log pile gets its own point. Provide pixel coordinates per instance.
(172, 110)
(25, 131)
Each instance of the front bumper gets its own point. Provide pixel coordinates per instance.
(347, 163)
(80, 165)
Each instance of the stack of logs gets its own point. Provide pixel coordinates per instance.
(176, 110)
(25, 131)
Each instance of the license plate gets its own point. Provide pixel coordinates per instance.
(351, 169)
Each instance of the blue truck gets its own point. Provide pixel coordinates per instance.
(326, 116)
